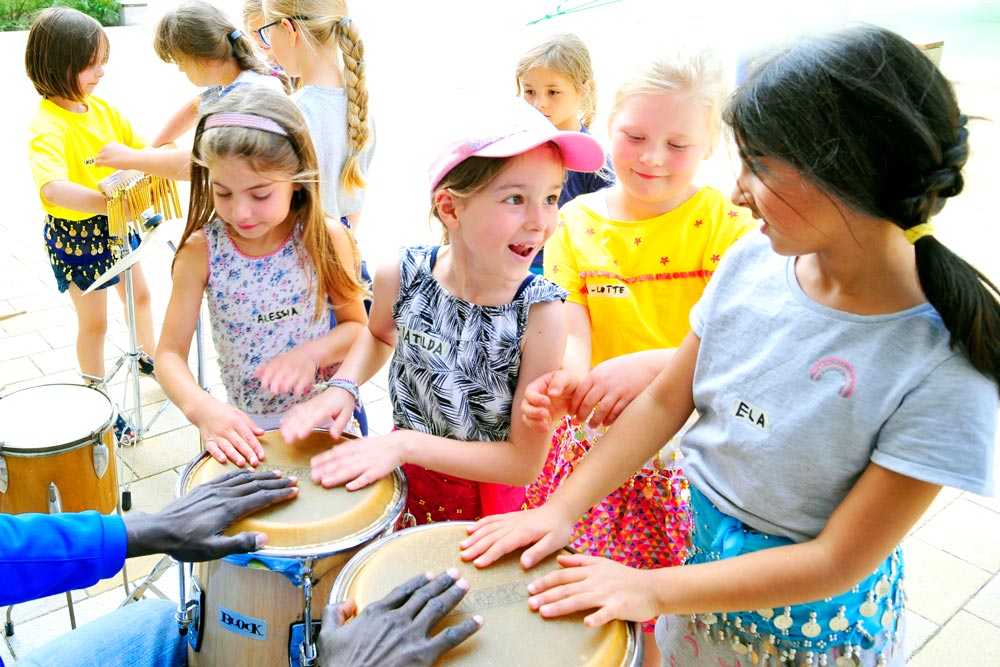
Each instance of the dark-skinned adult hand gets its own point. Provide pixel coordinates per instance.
(395, 631)
(190, 528)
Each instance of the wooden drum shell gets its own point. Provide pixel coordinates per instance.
(328, 525)
(37, 451)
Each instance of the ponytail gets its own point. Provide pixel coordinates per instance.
(965, 298)
(358, 132)
(863, 113)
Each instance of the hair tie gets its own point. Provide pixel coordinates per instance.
(344, 22)
(247, 120)
(235, 35)
(917, 232)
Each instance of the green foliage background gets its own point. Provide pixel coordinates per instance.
(17, 14)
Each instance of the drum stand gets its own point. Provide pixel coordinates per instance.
(55, 507)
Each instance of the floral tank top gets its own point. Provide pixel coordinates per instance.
(260, 307)
(456, 364)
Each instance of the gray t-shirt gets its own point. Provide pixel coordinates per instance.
(325, 110)
(795, 399)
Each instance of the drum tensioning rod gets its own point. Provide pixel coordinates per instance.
(55, 507)
(307, 651)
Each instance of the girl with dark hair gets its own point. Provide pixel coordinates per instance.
(65, 57)
(827, 362)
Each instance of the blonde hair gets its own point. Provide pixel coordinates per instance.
(290, 158)
(696, 73)
(325, 23)
(252, 9)
(566, 55)
(198, 30)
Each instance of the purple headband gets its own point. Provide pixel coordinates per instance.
(249, 120)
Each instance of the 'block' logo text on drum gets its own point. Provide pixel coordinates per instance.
(255, 628)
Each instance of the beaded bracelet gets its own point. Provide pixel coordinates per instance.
(350, 386)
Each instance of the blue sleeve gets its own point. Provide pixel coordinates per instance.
(43, 554)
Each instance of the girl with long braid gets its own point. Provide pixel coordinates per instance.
(844, 365)
(317, 42)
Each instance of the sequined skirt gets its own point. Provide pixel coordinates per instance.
(643, 524)
(863, 626)
(80, 251)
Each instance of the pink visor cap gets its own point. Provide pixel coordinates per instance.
(519, 129)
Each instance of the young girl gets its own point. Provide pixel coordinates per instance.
(467, 327)
(315, 41)
(215, 55)
(828, 359)
(64, 59)
(556, 78)
(635, 258)
(283, 298)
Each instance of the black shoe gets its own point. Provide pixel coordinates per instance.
(146, 364)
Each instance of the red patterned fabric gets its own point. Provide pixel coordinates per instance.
(645, 523)
(433, 496)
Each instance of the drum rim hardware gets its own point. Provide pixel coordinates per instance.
(21, 451)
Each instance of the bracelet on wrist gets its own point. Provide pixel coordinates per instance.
(350, 386)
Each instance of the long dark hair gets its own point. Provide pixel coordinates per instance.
(868, 118)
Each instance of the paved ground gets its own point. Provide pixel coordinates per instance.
(953, 555)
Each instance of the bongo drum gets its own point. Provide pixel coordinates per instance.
(250, 609)
(57, 450)
(512, 634)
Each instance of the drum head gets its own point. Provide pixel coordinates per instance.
(512, 634)
(319, 521)
(52, 418)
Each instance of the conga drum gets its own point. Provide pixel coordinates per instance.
(512, 634)
(250, 609)
(57, 450)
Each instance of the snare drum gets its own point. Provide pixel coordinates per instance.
(250, 609)
(512, 634)
(57, 441)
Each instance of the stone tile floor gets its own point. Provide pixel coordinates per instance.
(953, 554)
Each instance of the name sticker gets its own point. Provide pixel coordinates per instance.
(275, 315)
(612, 290)
(424, 341)
(247, 626)
(751, 413)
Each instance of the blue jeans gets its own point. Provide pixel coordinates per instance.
(141, 634)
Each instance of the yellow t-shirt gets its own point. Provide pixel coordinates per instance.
(60, 142)
(639, 280)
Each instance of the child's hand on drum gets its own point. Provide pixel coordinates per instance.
(400, 624)
(229, 434)
(545, 530)
(360, 462)
(587, 582)
(547, 399)
(294, 371)
(334, 403)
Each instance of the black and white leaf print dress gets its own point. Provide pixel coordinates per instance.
(456, 364)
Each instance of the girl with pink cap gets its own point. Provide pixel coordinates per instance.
(466, 325)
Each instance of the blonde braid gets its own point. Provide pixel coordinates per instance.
(358, 133)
